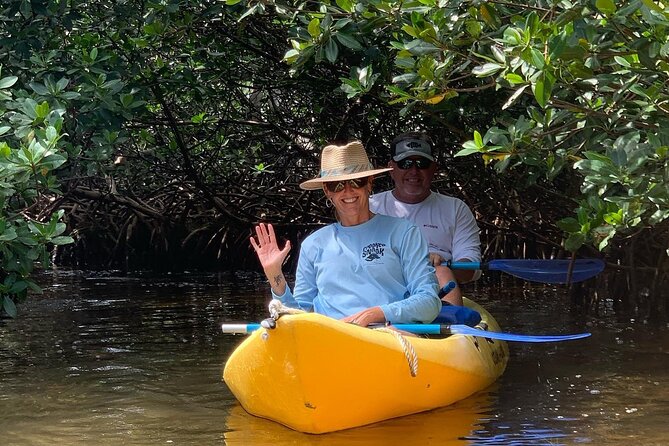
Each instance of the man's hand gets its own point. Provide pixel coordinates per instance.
(436, 259)
(445, 275)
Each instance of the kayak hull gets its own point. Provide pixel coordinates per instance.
(315, 374)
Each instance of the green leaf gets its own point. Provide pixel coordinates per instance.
(614, 218)
(346, 5)
(486, 69)
(348, 41)
(569, 224)
(8, 234)
(512, 36)
(33, 286)
(198, 119)
(420, 48)
(62, 83)
(51, 133)
(498, 54)
(606, 6)
(469, 147)
(398, 91)
(622, 61)
(291, 56)
(8, 81)
(18, 286)
(514, 78)
(473, 28)
(478, 139)
(407, 78)
(126, 100)
(652, 5)
(574, 242)
(9, 306)
(62, 240)
(410, 30)
(543, 89)
(314, 28)
(538, 59)
(5, 150)
(331, 50)
(42, 110)
(28, 108)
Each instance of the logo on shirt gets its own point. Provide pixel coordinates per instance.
(373, 251)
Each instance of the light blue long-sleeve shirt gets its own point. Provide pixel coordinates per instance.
(383, 262)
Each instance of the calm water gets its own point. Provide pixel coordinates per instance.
(104, 359)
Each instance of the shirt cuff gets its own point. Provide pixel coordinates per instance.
(388, 313)
(282, 297)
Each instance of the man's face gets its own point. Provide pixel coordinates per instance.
(412, 183)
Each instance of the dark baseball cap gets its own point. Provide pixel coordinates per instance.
(405, 146)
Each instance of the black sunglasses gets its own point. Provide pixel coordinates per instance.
(338, 186)
(420, 163)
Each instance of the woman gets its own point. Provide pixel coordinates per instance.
(365, 268)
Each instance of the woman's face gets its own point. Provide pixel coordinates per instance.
(351, 199)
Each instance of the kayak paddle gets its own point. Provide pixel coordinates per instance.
(439, 329)
(471, 331)
(543, 270)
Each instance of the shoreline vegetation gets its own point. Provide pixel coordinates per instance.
(156, 136)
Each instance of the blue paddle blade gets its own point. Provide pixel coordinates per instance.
(466, 330)
(549, 270)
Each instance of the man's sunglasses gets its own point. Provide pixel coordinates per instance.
(338, 186)
(420, 163)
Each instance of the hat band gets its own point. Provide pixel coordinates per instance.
(346, 170)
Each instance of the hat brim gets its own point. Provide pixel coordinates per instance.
(409, 153)
(317, 183)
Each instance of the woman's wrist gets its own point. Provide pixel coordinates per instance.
(276, 280)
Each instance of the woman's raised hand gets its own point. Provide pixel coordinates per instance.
(270, 256)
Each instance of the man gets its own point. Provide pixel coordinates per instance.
(446, 222)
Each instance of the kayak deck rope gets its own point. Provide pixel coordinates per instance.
(407, 348)
(278, 309)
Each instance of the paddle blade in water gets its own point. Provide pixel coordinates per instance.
(549, 270)
(512, 337)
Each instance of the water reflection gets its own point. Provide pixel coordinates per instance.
(445, 426)
(106, 359)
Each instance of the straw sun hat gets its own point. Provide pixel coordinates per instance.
(340, 163)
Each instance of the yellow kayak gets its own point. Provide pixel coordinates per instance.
(315, 374)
